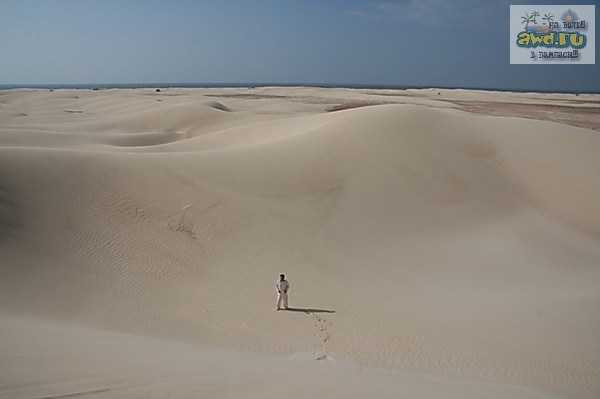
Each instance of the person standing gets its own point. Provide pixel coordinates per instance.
(282, 286)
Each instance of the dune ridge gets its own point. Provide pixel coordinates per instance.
(420, 239)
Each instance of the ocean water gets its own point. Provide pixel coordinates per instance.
(154, 85)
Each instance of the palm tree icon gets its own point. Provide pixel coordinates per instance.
(548, 17)
(526, 20)
(534, 15)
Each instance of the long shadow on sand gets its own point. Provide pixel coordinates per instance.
(310, 310)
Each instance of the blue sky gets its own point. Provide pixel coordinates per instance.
(433, 43)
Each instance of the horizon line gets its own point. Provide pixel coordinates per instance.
(165, 85)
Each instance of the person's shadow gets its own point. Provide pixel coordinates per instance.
(307, 310)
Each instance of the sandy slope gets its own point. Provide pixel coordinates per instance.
(429, 249)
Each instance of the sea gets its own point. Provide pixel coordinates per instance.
(154, 85)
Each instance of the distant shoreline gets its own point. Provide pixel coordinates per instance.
(157, 85)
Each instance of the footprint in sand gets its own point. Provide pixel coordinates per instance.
(323, 337)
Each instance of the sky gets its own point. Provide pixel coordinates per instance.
(416, 43)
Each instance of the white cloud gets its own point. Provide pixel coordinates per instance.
(473, 12)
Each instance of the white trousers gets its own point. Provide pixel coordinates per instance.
(282, 296)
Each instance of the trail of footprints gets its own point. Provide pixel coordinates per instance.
(323, 337)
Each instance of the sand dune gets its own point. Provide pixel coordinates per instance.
(429, 249)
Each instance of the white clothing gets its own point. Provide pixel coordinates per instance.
(282, 286)
(282, 297)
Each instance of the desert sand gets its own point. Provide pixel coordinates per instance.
(439, 243)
